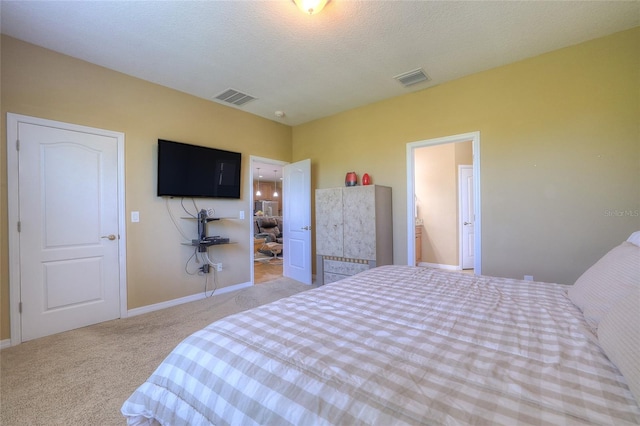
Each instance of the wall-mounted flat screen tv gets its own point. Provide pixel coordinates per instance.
(186, 170)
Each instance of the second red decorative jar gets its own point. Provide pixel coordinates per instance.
(366, 180)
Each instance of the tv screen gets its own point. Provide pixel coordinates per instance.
(196, 171)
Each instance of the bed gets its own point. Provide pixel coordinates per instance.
(399, 345)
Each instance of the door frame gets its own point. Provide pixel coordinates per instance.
(13, 186)
(474, 137)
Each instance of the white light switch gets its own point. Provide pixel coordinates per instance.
(135, 216)
(241, 214)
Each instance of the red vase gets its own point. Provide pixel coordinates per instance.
(351, 179)
(366, 180)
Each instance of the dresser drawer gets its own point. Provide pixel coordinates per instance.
(329, 277)
(344, 267)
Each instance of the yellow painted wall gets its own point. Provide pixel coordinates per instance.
(41, 83)
(559, 145)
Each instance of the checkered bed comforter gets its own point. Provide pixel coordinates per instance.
(393, 345)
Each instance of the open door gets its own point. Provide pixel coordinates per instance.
(297, 221)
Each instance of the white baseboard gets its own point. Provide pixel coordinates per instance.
(441, 266)
(155, 307)
(186, 299)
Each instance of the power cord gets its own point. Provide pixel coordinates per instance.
(205, 257)
(185, 209)
(186, 265)
(173, 219)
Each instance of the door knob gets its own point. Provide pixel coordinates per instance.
(110, 237)
(306, 228)
(467, 223)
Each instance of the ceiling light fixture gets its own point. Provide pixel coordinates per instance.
(258, 193)
(311, 6)
(275, 183)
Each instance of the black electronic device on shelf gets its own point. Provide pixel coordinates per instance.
(202, 224)
(203, 241)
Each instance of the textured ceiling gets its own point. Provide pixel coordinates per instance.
(308, 66)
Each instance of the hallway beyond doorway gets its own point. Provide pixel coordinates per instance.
(265, 271)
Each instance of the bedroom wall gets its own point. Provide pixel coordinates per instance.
(560, 153)
(41, 83)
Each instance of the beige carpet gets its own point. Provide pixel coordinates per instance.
(82, 377)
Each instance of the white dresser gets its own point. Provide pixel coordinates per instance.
(354, 230)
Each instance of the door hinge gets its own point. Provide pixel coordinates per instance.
(17, 144)
(20, 307)
(19, 226)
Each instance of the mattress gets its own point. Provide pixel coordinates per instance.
(394, 345)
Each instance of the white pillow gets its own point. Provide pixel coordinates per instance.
(619, 337)
(634, 238)
(610, 279)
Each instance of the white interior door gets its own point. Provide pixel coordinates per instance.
(465, 182)
(69, 228)
(297, 221)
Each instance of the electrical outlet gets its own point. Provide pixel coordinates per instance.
(218, 267)
(205, 268)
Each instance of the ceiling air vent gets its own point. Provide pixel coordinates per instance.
(234, 97)
(412, 77)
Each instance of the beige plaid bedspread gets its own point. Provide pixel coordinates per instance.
(393, 345)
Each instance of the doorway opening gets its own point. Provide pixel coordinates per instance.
(267, 227)
(443, 203)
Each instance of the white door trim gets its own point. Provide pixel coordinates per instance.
(474, 137)
(13, 121)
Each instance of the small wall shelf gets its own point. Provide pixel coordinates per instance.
(203, 242)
